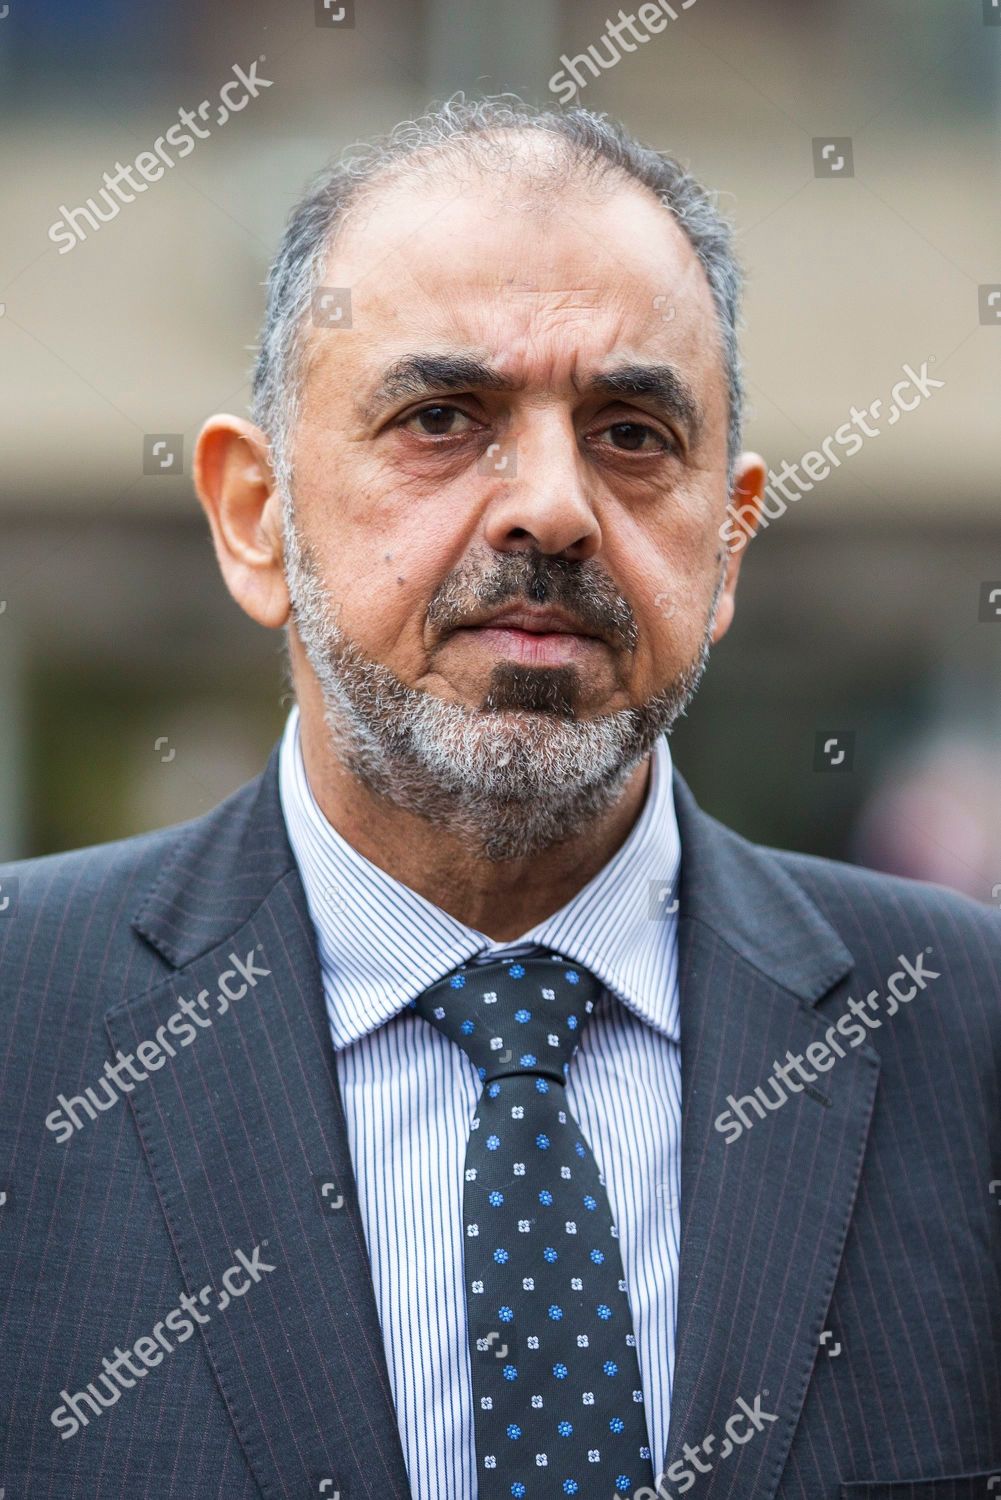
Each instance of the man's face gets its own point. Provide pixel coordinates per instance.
(528, 412)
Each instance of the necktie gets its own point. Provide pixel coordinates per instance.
(556, 1385)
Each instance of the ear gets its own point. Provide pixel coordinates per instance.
(743, 515)
(235, 484)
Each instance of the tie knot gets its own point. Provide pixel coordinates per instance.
(525, 1016)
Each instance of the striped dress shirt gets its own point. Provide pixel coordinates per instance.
(409, 1096)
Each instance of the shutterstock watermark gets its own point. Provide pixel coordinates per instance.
(233, 97)
(641, 25)
(740, 525)
(148, 1351)
(153, 1054)
(852, 1026)
(740, 1427)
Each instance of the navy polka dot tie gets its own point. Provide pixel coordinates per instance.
(556, 1384)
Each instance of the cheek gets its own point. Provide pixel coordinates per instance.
(381, 556)
(669, 574)
(383, 579)
(382, 598)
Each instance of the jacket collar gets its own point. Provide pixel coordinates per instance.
(247, 1144)
(763, 1219)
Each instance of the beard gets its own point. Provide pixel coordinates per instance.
(520, 773)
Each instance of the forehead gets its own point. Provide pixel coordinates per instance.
(545, 281)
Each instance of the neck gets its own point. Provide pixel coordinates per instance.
(501, 898)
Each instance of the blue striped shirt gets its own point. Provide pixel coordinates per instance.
(409, 1096)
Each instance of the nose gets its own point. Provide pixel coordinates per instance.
(541, 497)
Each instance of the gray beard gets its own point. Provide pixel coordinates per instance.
(519, 774)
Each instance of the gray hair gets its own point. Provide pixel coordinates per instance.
(583, 141)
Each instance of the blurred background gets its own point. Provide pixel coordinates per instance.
(855, 708)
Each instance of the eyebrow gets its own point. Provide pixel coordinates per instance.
(659, 384)
(417, 375)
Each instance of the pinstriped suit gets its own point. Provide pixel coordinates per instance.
(862, 1208)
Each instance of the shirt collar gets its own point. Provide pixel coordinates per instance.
(380, 943)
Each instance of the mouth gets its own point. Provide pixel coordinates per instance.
(533, 637)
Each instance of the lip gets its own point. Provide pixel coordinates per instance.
(546, 620)
(543, 637)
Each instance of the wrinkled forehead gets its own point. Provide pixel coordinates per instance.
(545, 277)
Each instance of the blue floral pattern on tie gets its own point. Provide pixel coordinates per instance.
(556, 1385)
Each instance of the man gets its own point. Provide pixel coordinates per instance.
(485, 1118)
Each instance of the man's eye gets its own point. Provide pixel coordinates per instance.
(438, 421)
(634, 437)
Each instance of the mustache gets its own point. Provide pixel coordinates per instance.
(584, 590)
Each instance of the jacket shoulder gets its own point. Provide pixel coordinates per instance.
(837, 880)
(43, 897)
(883, 912)
(60, 909)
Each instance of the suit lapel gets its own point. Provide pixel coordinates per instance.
(764, 1218)
(247, 1145)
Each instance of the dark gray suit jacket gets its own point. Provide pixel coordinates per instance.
(840, 1263)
